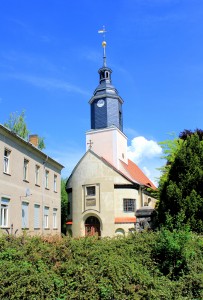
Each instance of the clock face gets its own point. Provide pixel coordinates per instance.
(100, 103)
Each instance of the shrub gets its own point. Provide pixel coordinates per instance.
(165, 265)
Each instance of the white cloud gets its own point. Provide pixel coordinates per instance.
(146, 154)
(142, 148)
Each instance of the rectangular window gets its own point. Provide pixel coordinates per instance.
(4, 212)
(55, 218)
(46, 179)
(25, 169)
(37, 168)
(46, 217)
(25, 221)
(55, 183)
(6, 161)
(36, 216)
(91, 196)
(129, 205)
(90, 191)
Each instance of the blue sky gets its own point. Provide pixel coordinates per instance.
(50, 53)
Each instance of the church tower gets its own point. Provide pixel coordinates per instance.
(106, 137)
(105, 188)
(106, 104)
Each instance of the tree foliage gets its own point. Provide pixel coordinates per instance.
(181, 191)
(64, 205)
(16, 123)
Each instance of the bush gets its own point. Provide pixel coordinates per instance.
(88, 268)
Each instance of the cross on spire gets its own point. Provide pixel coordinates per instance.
(90, 144)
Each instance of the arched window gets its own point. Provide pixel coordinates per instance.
(120, 232)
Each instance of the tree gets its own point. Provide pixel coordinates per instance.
(16, 123)
(181, 191)
(64, 205)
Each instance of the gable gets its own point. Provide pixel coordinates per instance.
(91, 168)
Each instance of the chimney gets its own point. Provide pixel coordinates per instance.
(33, 139)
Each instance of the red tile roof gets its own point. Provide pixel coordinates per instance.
(132, 172)
(136, 173)
(125, 220)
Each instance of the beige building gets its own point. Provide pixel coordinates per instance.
(30, 191)
(103, 199)
(105, 188)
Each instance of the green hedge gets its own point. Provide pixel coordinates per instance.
(162, 265)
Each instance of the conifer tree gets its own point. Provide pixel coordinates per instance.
(181, 194)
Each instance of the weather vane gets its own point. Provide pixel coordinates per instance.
(103, 31)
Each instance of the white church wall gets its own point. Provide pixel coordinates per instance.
(92, 171)
(109, 143)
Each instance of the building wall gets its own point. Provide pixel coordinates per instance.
(25, 196)
(91, 171)
(109, 143)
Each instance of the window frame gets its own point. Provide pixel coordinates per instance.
(55, 223)
(4, 214)
(37, 175)
(88, 188)
(25, 221)
(36, 216)
(25, 169)
(47, 179)
(6, 168)
(46, 217)
(128, 205)
(55, 183)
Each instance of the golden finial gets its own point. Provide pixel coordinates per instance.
(104, 43)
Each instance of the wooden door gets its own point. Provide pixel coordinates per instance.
(92, 226)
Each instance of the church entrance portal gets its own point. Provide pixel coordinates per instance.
(92, 226)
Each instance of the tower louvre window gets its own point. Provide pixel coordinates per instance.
(102, 75)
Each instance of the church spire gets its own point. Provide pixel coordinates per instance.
(104, 53)
(103, 31)
(106, 104)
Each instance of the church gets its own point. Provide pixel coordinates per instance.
(106, 189)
